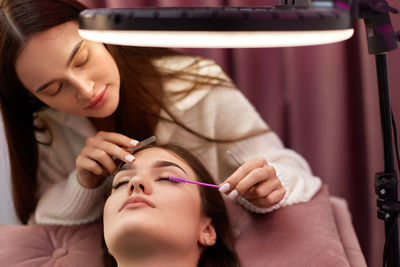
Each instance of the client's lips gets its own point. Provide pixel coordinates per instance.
(97, 98)
(138, 200)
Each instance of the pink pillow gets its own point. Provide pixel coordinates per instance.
(300, 235)
(50, 246)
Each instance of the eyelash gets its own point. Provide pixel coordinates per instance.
(163, 178)
(119, 184)
(58, 89)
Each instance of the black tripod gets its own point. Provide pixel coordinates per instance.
(381, 39)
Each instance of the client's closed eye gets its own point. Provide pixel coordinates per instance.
(166, 178)
(117, 185)
(121, 183)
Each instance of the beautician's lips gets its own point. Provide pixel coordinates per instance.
(97, 98)
(136, 199)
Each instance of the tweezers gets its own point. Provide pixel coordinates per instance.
(142, 144)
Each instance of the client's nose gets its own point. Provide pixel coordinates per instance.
(139, 185)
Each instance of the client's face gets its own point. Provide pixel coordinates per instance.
(147, 209)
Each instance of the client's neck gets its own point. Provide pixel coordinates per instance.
(159, 258)
(166, 262)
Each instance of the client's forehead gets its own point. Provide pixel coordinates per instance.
(150, 154)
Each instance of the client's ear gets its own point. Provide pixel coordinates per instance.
(207, 236)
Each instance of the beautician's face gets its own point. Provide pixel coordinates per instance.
(69, 73)
(165, 210)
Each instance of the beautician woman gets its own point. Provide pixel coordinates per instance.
(72, 107)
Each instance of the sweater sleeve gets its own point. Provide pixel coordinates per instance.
(69, 203)
(62, 199)
(234, 118)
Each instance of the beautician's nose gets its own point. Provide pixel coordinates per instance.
(84, 87)
(139, 184)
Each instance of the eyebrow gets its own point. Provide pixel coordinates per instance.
(74, 51)
(158, 164)
(163, 163)
(71, 57)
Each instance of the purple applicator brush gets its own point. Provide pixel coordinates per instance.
(182, 180)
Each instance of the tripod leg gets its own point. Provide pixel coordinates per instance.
(390, 193)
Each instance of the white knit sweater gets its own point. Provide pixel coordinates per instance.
(214, 111)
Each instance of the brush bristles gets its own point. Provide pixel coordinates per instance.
(177, 179)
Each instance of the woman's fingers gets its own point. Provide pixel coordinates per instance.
(101, 157)
(111, 146)
(261, 189)
(116, 138)
(242, 172)
(257, 182)
(97, 158)
(271, 199)
(84, 163)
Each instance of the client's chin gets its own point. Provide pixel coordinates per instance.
(146, 239)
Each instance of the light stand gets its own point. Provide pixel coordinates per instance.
(381, 38)
(386, 183)
(287, 25)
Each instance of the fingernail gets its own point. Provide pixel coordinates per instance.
(134, 142)
(225, 187)
(233, 194)
(129, 158)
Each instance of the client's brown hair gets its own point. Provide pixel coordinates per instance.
(222, 253)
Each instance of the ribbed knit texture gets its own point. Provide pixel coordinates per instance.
(69, 203)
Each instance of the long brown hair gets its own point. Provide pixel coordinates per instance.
(142, 95)
(222, 253)
(19, 20)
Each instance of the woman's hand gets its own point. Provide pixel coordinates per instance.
(95, 162)
(256, 181)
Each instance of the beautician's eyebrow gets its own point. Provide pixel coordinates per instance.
(71, 57)
(157, 164)
(74, 51)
